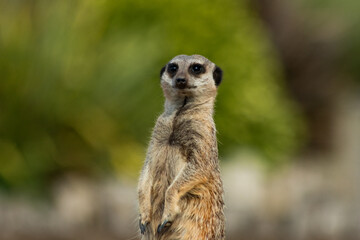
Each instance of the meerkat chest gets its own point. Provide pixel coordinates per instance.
(165, 155)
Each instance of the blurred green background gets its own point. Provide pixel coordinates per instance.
(80, 92)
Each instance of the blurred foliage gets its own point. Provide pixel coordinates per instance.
(79, 88)
(342, 18)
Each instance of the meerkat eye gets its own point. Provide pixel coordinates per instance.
(172, 68)
(197, 68)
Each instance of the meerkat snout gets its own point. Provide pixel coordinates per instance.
(181, 83)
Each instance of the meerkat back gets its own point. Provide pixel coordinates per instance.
(180, 191)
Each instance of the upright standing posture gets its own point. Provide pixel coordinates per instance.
(180, 189)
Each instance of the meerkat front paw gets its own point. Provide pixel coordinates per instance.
(169, 215)
(164, 225)
(142, 226)
(166, 222)
(144, 220)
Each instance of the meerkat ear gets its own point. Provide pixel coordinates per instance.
(162, 71)
(217, 75)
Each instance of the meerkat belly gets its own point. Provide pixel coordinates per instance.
(166, 165)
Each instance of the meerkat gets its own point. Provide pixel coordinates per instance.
(180, 191)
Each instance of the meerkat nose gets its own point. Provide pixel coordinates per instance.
(180, 83)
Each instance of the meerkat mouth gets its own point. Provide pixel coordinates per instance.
(189, 87)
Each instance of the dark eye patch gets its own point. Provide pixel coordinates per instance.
(172, 68)
(196, 69)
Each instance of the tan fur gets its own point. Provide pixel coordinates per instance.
(180, 181)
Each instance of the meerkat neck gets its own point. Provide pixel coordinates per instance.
(206, 105)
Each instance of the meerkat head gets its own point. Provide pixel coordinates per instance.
(190, 76)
